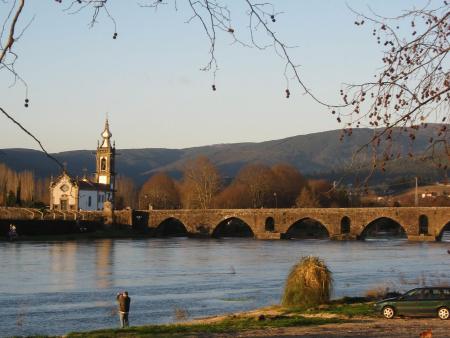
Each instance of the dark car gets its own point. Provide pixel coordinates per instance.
(420, 301)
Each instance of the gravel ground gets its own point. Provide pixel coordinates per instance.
(363, 327)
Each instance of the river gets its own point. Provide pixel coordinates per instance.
(58, 287)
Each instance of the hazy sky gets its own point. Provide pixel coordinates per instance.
(149, 82)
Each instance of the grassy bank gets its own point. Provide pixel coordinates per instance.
(272, 317)
(225, 326)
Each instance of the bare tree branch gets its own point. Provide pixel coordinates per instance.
(33, 137)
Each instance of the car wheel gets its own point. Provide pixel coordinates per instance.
(388, 312)
(443, 313)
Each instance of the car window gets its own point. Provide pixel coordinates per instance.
(413, 294)
(426, 294)
(436, 294)
(446, 293)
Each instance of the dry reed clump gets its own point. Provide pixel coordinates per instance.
(309, 284)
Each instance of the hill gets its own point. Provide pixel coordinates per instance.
(315, 155)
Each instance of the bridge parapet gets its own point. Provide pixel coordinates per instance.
(17, 214)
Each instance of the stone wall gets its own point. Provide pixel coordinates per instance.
(15, 214)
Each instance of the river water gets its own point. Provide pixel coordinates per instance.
(58, 287)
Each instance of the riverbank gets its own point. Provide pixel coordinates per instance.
(343, 319)
(260, 320)
(74, 282)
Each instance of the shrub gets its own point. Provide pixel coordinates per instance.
(309, 284)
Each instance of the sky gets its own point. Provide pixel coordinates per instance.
(149, 83)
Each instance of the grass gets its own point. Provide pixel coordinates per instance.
(338, 311)
(346, 307)
(229, 325)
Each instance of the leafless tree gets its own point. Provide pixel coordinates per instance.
(214, 16)
(234, 196)
(412, 86)
(288, 182)
(307, 199)
(259, 183)
(160, 192)
(126, 194)
(22, 187)
(201, 181)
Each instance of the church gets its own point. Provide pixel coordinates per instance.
(69, 194)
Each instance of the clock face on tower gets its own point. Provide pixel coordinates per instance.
(102, 179)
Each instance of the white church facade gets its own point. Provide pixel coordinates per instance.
(69, 194)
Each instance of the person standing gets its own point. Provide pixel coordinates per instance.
(124, 308)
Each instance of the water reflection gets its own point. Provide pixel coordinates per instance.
(63, 261)
(104, 251)
(75, 283)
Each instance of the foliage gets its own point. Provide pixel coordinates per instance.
(309, 284)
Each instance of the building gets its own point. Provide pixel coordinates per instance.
(69, 194)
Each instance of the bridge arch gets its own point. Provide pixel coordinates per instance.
(383, 227)
(232, 227)
(171, 227)
(345, 225)
(307, 228)
(269, 224)
(423, 225)
(444, 233)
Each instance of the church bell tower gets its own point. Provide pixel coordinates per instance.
(105, 173)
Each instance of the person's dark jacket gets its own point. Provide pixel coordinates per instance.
(124, 303)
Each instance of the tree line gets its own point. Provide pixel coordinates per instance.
(202, 186)
(22, 188)
(255, 186)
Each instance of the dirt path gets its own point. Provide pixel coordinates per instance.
(362, 327)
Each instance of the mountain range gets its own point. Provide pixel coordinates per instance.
(319, 154)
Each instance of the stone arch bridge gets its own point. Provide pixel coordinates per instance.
(419, 223)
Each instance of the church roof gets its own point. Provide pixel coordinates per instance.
(82, 184)
(85, 184)
(61, 176)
